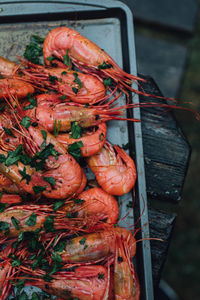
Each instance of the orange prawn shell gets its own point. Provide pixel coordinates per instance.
(98, 202)
(15, 87)
(115, 173)
(60, 39)
(92, 142)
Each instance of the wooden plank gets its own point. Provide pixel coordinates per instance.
(161, 226)
(166, 151)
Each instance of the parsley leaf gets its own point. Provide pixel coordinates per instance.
(25, 176)
(3, 206)
(35, 296)
(49, 224)
(104, 65)
(50, 180)
(33, 102)
(33, 51)
(15, 222)
(31, 220)
(56, 127)
(75, 150)
(57, 205)
(26, 122)
(78, 201)
(76, 130)
(50, 58)
(38, 189)
(101, 137)
(82, 242)
(108, 81)
(77, 80)
(8, 131)
(63, 97)
(13, 156)
(75, 90)
(53, 79)
(66, 59)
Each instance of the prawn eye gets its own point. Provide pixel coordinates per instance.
(120, 259)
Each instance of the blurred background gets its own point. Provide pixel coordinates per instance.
(168, 49)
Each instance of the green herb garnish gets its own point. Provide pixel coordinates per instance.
(15, 222)
(75, 150)
(66, 59)
(104, 65)
(25, 176)
(76, 130)
(26, 122)
(31, 220)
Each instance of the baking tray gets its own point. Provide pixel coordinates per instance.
(110, 25)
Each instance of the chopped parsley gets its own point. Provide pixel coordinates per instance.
(31, 220)
(56, 128)
(50, 58)
(3, 206)
(75, 150)
(57, 205)
(50, 180)
(104, 65)
(33, 102)
(33, 50)
(78, 201)
(108, 81)
(25, 176)
(75, 90)
(49, 224)
(100, 275)
(101, 137)
(13, 156)
(77, 80)
(8, 131)
(64, 73)
(26, 122)
(82, 242)
(38, 189)
(53, 79)
(76, 130)
(15, 222)
(63, 97)
(66, 59)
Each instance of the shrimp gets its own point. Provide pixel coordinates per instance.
(15, 87)
(86, 55)
(8, 186)
(100, 204)
(7, 67)
(115, 173)
(92, 141)
(96, 246)
(126, 285)
(86, 283)
(64, 169)
(79, 87)
(56, 115)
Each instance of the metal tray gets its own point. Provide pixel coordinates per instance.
(110, 25)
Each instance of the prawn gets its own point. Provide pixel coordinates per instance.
(33, 217)
(126, 285)
(66, 42)
(99, 204)
(79, 87)
(56, 115)
(115, 172)
(7, 67)
(85, 282)
(97, 246)
(92, 141)
(15, 87)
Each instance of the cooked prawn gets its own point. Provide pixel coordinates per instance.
(79, 87)
(99, 204)
(15, 87)
(96, 246)
(54, 114)
(115, 173)
(126, 285)
(7, 67)
(85, 55)
(86, 283)
(92, 141)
